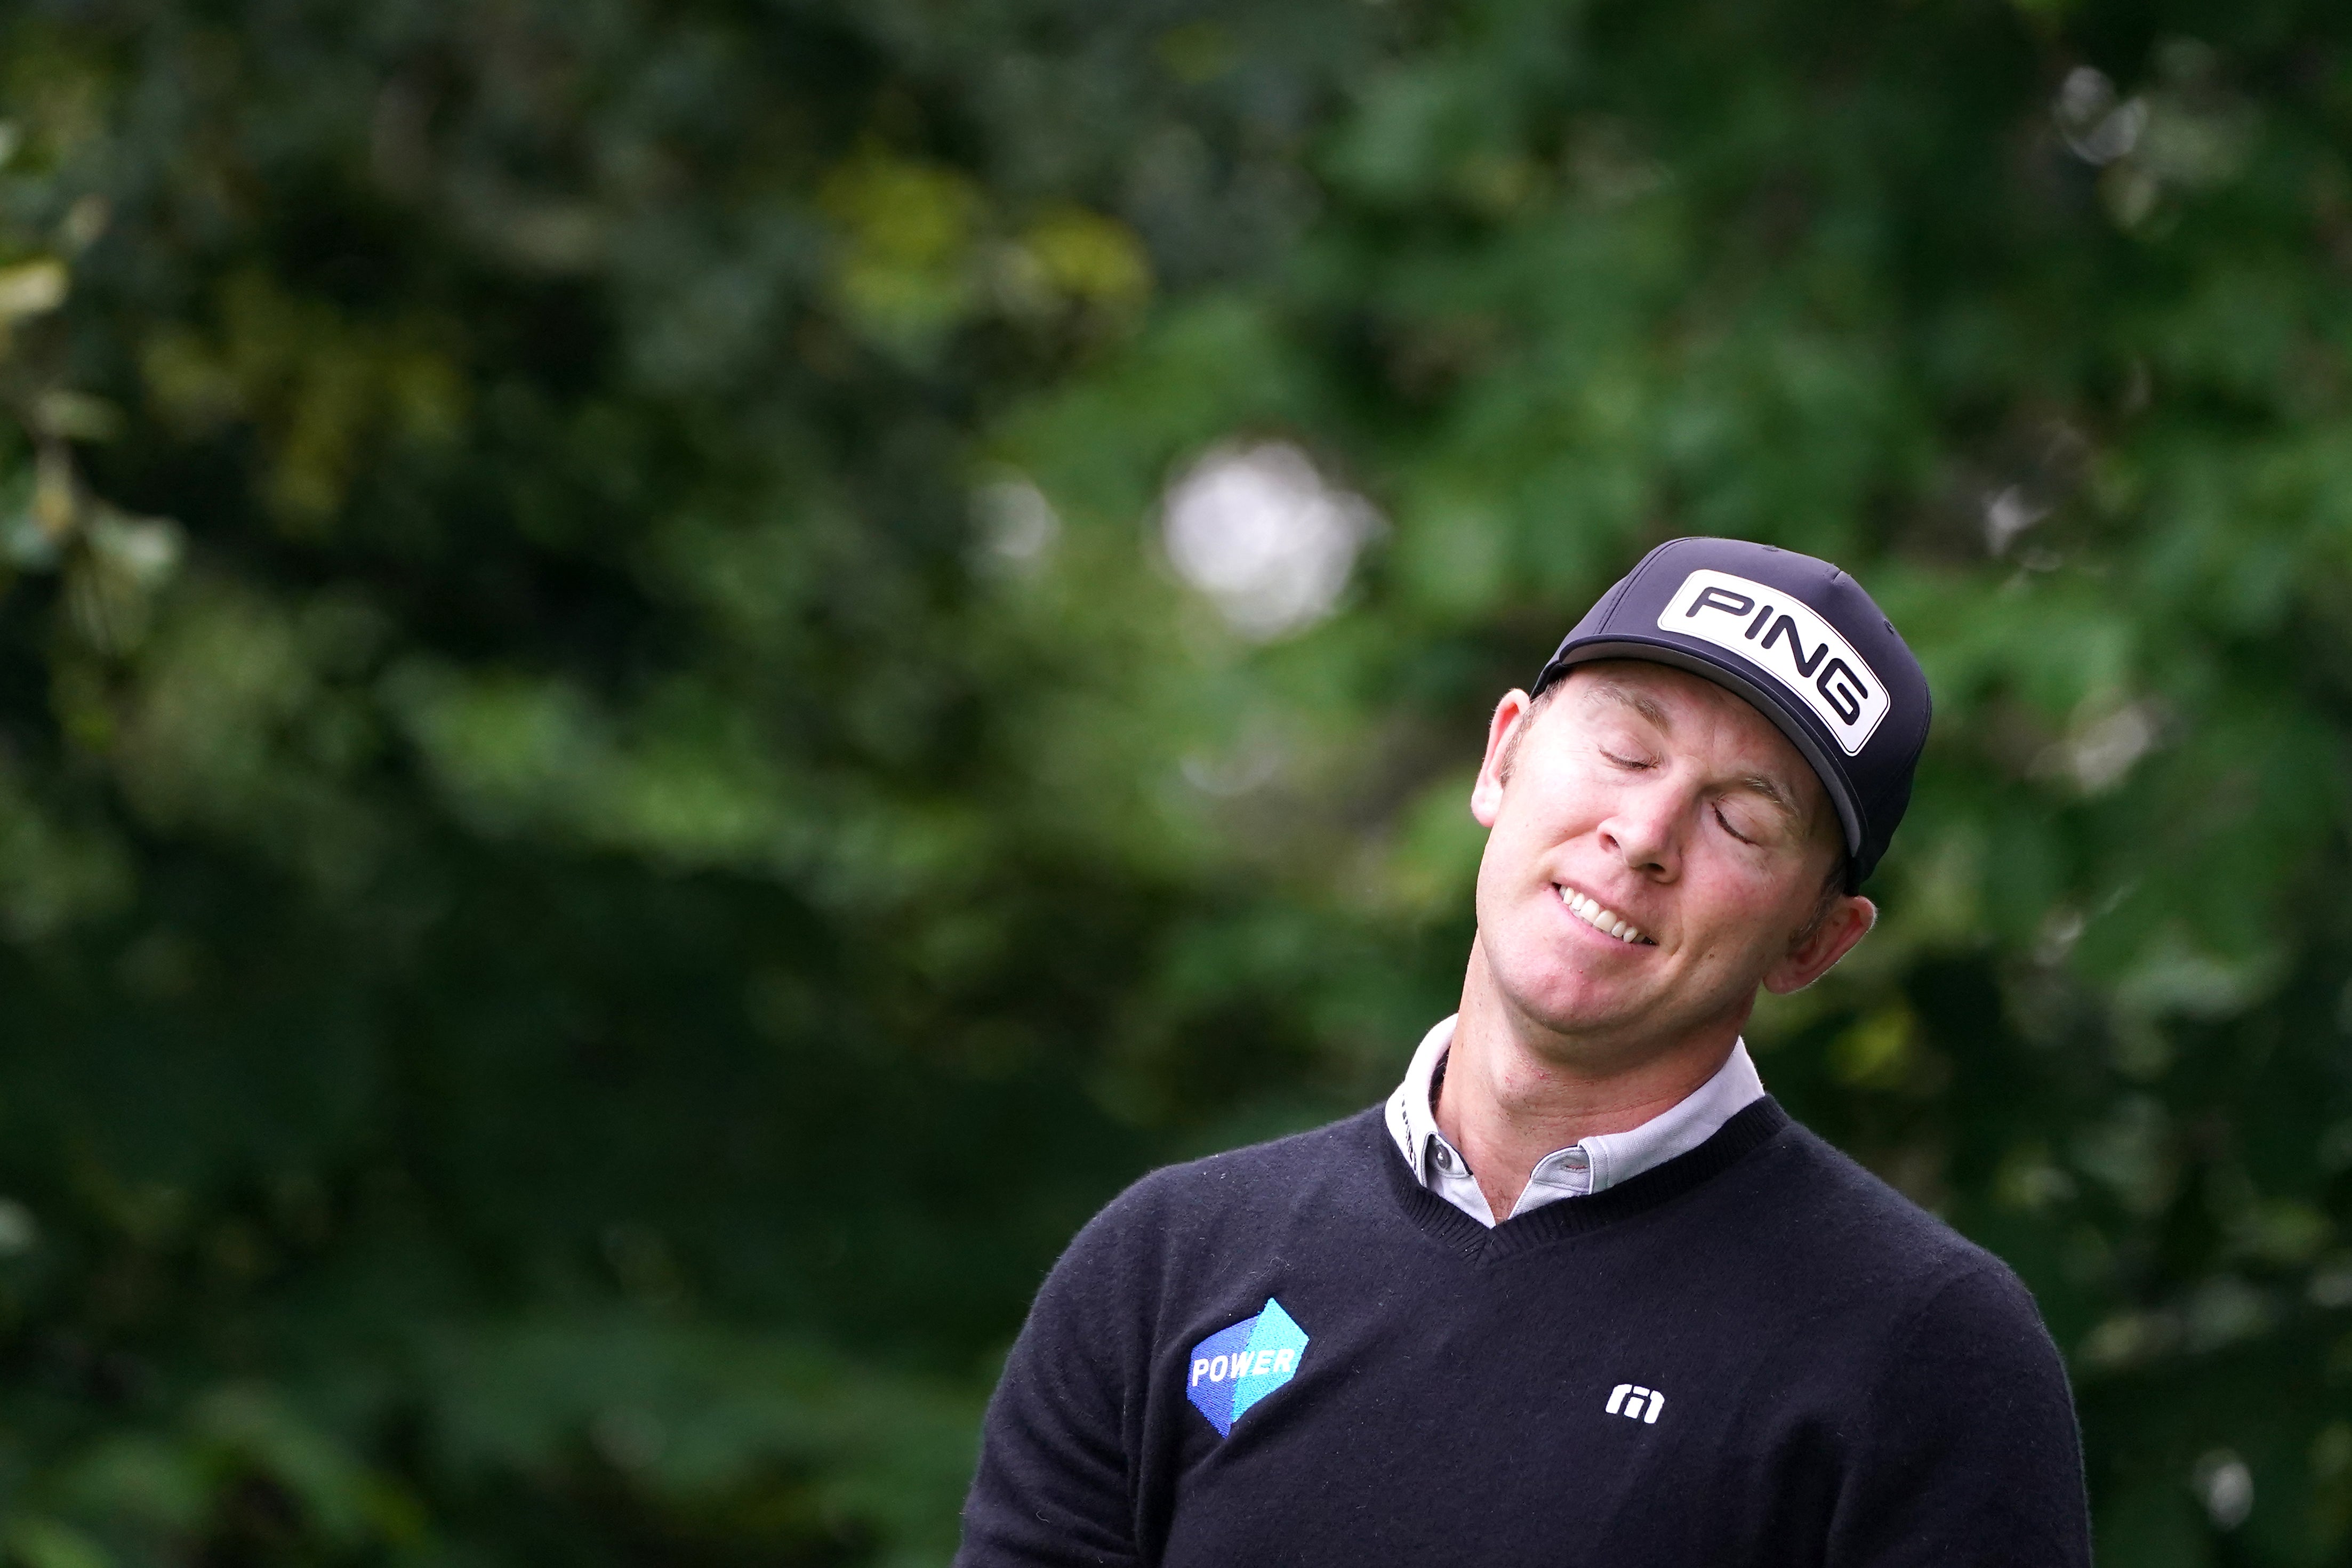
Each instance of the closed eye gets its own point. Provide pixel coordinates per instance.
(1728, 828)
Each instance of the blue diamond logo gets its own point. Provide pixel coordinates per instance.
(1235, 1368)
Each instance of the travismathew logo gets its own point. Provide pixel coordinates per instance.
(1235, 1368)
(1636, 1403)
(1773, 632)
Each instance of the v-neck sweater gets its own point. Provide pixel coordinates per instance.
(1754, 1353)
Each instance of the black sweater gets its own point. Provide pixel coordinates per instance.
(1756, 1352)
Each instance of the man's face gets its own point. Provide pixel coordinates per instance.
(1651, 799)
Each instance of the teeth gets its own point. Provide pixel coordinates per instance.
(1601, 920)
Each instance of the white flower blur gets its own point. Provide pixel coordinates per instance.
(1265, 536)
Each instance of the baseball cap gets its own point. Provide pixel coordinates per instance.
(1802, 643)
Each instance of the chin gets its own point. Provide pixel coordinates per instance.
(1549, 986)
(1575, 1004)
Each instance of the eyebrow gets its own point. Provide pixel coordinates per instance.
(1648, 707)
(1770, 788)
(1774, 792)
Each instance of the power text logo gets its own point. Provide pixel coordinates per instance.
(1235, 1368)
(1787, 641)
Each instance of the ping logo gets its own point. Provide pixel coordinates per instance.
(1235, 1368)
(1636, 1403)
(1788, 642)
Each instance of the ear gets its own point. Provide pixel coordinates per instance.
(1847, 923)
(1510, 717)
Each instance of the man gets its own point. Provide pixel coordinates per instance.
(1582, 1293)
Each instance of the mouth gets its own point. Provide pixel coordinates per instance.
(1606, 921)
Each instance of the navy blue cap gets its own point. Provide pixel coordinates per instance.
(1802, 643)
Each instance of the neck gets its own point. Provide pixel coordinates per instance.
(1515, 1091)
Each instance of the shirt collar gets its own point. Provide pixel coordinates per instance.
(1410, 1122)
(1608, 1157)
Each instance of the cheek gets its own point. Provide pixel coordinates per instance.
(1728, 897)
(1531, 818)
(1514, 861)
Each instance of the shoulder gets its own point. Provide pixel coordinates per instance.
(1175, 1218)
(1925, 1360)
(1175, 1230)
(1204, 1195)
(1861, 1238)
(1852, 1211)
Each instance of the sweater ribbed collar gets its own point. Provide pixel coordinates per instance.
(1746, 1132)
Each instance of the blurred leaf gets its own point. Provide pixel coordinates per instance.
(46, 1543)
(31, 289)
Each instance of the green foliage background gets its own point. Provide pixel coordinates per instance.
(612, 825)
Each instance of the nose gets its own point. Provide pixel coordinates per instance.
(1645, 829)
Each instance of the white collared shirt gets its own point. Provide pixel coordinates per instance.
(1594, 1164)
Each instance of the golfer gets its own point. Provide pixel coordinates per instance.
(1581, 1292)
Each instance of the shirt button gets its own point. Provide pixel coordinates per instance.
(1443, 1157)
